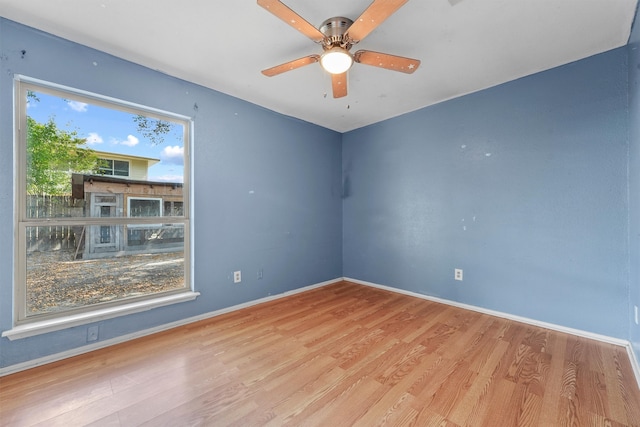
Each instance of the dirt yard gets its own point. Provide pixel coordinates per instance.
(54, 282)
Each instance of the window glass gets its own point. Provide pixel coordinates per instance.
(113, 167)
(120, 168)
(92, 172)
(57, 283)
(172, 208)
(74, 147)
(105, 166)
(145, 207)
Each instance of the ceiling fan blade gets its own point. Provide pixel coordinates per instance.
(339, 84)
(384, 60)
(280, 10)
(373, 16)
(291, 65)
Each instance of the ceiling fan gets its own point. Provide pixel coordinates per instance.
(337, 35)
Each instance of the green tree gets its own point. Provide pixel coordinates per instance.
(52, 155)
(153, 129)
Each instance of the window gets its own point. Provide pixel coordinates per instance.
(144, 206)
(113, 167)
(172, 208)
(89, 240)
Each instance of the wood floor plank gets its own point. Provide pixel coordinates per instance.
(386, 410)
(496, 407)
(310, 397)
(474, 398)
(553, 379)
(343, 354)
(349, 405)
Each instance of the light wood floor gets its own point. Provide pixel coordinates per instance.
(340, 355)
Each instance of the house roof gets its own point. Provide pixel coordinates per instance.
(78, 183)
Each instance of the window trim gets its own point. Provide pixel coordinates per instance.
(64, 322)
(24, 325)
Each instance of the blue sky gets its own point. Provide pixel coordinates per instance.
(113, 131)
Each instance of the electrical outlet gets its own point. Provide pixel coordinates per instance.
(457, 274)
(635, 307)
(237, 276)
(259, 274)
(92, 333)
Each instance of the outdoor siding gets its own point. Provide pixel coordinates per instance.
(138, 170)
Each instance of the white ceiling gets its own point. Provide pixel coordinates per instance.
(464, 46)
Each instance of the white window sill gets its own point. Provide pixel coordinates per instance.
(51, 325)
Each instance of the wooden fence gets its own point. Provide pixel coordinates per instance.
(51, 238)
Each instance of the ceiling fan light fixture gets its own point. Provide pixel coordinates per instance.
(336, 60)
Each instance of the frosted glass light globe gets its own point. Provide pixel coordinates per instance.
(336, 60)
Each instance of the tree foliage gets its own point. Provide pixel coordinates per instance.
(153, 129)
(52, 155)
(31, 96)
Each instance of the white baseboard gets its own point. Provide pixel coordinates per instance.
(577, 332)
(128, 337)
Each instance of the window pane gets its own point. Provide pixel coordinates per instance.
(144, 207)
(80, 274)
(77, 151)
(105, 166)
(163, 236)
(120, 168)
(106, 199)
(178, 209)
(173, 209)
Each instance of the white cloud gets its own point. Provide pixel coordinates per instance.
(94, 138)
(173, 155)
(80, 107)
(131, 141)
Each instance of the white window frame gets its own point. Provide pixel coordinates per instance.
(112, 171)
(25, 326)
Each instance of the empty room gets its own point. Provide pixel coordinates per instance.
(364, 212)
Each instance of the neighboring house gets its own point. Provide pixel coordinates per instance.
(122, 190)
(124, 166)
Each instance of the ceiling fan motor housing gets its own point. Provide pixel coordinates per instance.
(333, 30)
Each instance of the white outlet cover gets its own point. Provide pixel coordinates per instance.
(237, 276)
(457, 274)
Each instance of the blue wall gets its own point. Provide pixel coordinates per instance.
(634, 181)
(523, 186)
(267, 187)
